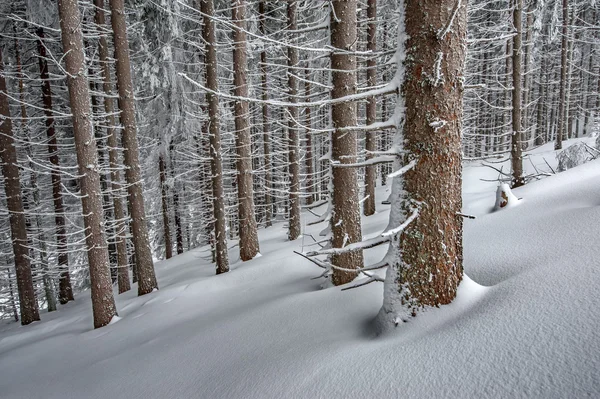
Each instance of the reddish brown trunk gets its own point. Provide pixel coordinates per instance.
(18, 227)
(103, 304)
(143, 256)
(345, 219)
(249, 246)
(371, 139)
(65, 293)
(113, 155)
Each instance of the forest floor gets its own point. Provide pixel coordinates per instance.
(525, 323)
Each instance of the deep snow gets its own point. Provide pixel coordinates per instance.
(525, 323)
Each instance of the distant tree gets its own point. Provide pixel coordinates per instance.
(12, 187)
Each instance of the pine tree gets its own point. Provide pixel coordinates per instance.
(426, 265)
(12, 187)
(103, 304)
(345, 218)
(249, 246)
(143, 255)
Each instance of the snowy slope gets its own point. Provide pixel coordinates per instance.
(526, 325)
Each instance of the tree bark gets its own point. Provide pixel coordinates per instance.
(265, 119)
(560, 135)
(371, 137)
(143, 256)
(249, 246)
(103, 303)
(427, 266)
(345, 218)
(165, 207)
(65, 293)
(309, 159)
(294, 229)
(113, 155)
(12, 187)
(216, 159)
(516, 150)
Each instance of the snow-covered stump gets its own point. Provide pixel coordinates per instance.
(504, 197)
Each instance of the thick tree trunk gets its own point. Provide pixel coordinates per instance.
(65, 293)
(371, 138)
(427, 266)
(248, 233)
(103, 303)
(113, 155)
(294, 229)
(18, 227)
(516, 150)
(143, 256)
(560, 135)
(165, 207)
(345, 218)
(216, 159)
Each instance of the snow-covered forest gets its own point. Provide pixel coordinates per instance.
(299, 198)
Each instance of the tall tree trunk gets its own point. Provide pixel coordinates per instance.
(176, 210)
(371, 139)
(265, 119)
(103, 303)
(165, 207)
(18, 227)
(516, 150)
(560, 135)
(113, 155)
(216, 159)
(143, 256)
(309, 158)
(65, 293)
(427, 258)
(345, 218)
(294, 229)
(249, 246)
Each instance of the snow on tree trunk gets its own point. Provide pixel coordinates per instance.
(103, 304)
(516, 148)
(248, 233)
(293, 127)
(265, 119)
(113, 156)
(426, 260)
(562, 123)
(65, 292)
(345, 216)
(371, 137)
(12, 187)
(504, 197)
(216, 161)
(143, 256)
(165, 207)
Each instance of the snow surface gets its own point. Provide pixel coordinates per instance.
(525, 324)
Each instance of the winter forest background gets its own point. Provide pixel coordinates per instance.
(217, 121)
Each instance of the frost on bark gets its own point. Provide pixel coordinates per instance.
(165, 207)
(426, 260)
(65, 293)
(345, 217)
(516, 149)
(14, 202)
(265, 119)
(143, 255)
(113, 156)
(248, 233)
(371, 137)
(309, 161)
(563, 77)
(293, 127)
(103, 303)
(216, 159)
